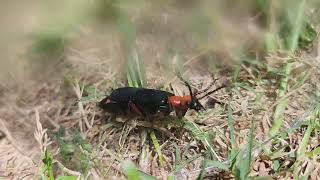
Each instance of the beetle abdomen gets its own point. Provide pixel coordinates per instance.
(124, 94)
(139, 100)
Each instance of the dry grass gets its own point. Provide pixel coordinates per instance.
(54, 113)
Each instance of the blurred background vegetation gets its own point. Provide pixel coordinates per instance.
(41, 35)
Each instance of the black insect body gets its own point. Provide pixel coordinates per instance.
(148, 102)
(142, 101)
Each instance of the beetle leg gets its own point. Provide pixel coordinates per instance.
(212, 101)
(181, 112)
(134, 107)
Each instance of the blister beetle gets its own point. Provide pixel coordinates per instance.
(147, 102)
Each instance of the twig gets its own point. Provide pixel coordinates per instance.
(285, 96)
(150, 125)
(69, 171)
(79, 91)
(13, 141)
(195, 57)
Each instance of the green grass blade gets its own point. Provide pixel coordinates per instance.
(204, 137)
(66, 178)
(234, 149)
(184, 163)
(244, 158)
(48, 161)
(135, 74)
(135, 68)
(249, 153)
(297, 26)
(314, 153)
(133, 173)
(158, 149)
(301, 152)
(278, 116)
(304, 142)
(178, 153)
(271, 42)
(217, 164)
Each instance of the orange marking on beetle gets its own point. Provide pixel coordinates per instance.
(135, 108)
(106, 101)
(180, 102)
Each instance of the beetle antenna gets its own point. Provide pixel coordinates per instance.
(202, 91)
(207, 94)
(189, 88)
(188, 85)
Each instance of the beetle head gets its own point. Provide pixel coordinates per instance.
(196, 105)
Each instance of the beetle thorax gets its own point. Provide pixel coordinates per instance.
(180, 101)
